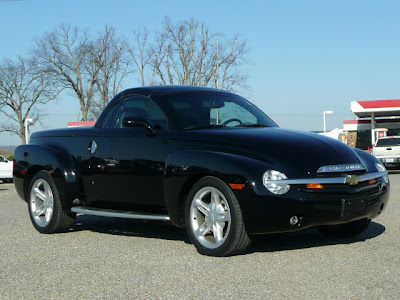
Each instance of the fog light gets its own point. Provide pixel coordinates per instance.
(294, 220)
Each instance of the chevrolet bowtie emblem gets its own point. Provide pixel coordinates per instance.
(352, 179)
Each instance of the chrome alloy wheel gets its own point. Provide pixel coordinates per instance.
(210, 217)
(41, 202)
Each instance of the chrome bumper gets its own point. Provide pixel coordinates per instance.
(350, 179)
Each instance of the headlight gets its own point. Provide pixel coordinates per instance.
(276, 188)
(381, 168)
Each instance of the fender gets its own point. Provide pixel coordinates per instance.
(29, 159)
(185, 167)
(368, 160)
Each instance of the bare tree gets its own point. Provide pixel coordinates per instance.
(232, 56)
(139, 53)
(146, 56)
(109, 56)
(65, 53)
(188, 55)
(22, 89)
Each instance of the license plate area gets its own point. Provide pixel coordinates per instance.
(351, 208)
(389, 160)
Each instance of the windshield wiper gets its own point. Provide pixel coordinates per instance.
(252, 125)
(204, 127)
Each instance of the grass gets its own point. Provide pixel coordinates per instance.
(7, 154)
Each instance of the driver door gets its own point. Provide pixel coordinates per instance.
(128, 165)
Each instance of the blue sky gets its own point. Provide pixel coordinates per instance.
(307, 56)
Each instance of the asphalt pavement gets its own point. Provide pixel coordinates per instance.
(109, 258)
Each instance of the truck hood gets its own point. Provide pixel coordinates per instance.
(281, 147)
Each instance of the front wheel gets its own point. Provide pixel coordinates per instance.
(45, 207)
(214, 220)
(345, 230)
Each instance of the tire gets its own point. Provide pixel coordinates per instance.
(214, 220)
(45, 207)
(345, 230)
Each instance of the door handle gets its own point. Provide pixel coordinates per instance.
(92, 147)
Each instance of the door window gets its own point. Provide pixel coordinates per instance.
(136, 106)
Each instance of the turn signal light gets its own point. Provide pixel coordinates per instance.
(314, 186)
(372, 181)
(236, 186)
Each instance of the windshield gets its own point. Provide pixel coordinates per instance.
(196, 110)
(388, 142)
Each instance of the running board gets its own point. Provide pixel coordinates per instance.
(118, 214)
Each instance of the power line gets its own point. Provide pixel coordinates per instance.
(59, 114)
(319, 115)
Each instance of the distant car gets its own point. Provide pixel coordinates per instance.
(387, 150)
(6, 170)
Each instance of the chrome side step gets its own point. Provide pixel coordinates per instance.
(118, 214)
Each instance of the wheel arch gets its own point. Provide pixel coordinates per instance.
(31, 159)
(185, 167)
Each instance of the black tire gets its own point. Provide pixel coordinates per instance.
(57, 220)
(234, 236)
(345, 230)
(7, 180)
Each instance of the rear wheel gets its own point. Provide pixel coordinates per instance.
(345, 230)
(45, 207)
(214, 220)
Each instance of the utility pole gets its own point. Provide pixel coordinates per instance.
(326, 112)
(27, 123)
(217, 66)
(217, 79)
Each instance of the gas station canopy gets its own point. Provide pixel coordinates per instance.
(378, 108)
(375, 108)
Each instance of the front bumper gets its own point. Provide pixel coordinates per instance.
(390, 161)
(337, 203)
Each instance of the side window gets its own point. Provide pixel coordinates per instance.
(2, 159)
(136, 106)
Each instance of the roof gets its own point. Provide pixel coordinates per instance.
(381, 108)
(159, 90)
(156, 92)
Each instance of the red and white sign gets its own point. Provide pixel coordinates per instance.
(81, 124)
(380, 108)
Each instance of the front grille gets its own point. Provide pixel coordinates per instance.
(333, 191)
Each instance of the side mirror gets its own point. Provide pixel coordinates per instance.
(138, 122)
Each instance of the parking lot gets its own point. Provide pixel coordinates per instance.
(116, 258)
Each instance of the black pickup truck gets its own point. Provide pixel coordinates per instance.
(203, 159)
